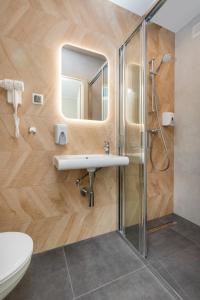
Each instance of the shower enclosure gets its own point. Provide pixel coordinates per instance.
(134, 134)
(133, 139)
(159, 191)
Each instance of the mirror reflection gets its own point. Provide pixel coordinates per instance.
(84, 84)
(133, 93)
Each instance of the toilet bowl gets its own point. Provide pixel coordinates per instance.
(16, 249)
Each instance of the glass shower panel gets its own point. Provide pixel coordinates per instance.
(132, 67)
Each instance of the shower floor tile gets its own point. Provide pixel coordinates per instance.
(166, 242)
(175, 254)
(185, 269)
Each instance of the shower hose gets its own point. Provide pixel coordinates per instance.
(160, 132)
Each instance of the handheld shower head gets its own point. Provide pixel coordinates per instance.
(165, 59)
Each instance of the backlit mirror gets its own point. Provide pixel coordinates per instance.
(84, 84)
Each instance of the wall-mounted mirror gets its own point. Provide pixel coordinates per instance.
(84, 84)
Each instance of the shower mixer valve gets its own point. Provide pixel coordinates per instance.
(154, 130)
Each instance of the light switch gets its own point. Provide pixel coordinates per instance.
(37, 98)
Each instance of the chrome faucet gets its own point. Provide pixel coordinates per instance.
(106, 147)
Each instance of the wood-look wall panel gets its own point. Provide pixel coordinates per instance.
(35, 197)
(160, 184)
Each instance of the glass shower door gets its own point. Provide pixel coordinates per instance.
(133, 139)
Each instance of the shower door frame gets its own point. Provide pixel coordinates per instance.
(142, 27)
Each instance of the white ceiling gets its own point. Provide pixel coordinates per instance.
(137, 6)
(174, 14)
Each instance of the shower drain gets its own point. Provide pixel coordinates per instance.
(162, 226)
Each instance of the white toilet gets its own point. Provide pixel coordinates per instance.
(16, 249)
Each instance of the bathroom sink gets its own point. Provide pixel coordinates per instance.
(90, 161)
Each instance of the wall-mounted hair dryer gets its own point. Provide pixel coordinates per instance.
(14, 96)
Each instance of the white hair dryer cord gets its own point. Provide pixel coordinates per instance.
(16, 120)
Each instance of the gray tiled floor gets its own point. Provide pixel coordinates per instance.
(166, 242)
(99, 268)
(175, 253)
(98, 261)
(138, 285)
(184, 227)
(46, 279)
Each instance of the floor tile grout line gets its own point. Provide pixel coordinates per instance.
(145, 264)
(162, 282)
(187, 237)
(167, 256)
(191, 243)
(109, 282)
(180, 287)
(68, 272)
(136, 254)
(197, 244)
(174, 251)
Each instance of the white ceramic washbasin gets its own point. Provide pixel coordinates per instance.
(84, 161)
